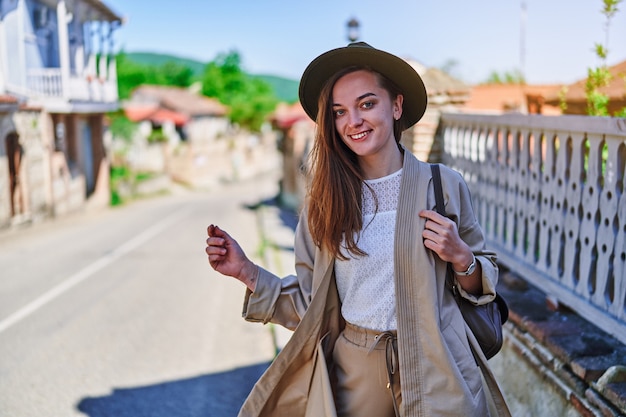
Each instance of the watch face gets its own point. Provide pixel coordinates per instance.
(470, 269)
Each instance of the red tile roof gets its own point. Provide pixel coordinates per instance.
(155, 114)
(616, 89)
(507, 97)
(180, 100)
(5, 98)
(286, 115)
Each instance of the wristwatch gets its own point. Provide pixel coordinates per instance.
(470, 269)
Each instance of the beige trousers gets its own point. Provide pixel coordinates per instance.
(365, 361)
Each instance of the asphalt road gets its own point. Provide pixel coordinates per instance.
(117, 312)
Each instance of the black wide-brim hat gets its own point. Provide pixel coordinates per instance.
(361, 54)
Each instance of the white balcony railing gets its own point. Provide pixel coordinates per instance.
(42, 83)
(550, 195)
(45, 82)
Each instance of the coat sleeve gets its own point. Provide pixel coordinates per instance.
(459, 207)
(284, 300)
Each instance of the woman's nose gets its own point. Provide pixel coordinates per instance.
(355, 119)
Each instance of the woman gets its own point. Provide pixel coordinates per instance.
(376, 332)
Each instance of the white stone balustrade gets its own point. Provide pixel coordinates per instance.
(550, 195)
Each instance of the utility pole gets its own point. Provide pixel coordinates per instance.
(522, 49)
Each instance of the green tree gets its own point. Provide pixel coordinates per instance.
(250, 99)
(131, 75)
(507, 77)
(175, 74)
(120, 126)
(599, 77)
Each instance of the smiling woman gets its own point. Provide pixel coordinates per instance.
(371, 260)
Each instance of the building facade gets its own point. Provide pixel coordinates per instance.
(58, 78)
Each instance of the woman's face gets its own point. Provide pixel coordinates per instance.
(365, 114)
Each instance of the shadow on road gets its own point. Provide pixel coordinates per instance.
(287, 215)
(213, 395)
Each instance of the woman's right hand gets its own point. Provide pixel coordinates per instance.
(227, 257)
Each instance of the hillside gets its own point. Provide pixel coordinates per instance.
(284, 88)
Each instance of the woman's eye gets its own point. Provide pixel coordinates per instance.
(339, 113)
(367, 104)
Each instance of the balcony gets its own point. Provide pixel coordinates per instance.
(48, 83)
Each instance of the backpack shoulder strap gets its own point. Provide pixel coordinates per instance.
(438, 190)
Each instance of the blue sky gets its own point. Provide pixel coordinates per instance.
(282, 37)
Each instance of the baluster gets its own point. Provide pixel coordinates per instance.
(545, 230)
(572, 209)
(522, 185)
(510, 175)
(618, 308)
(607, 235)
(481, 195)
(501, 185)
(491, 173)
(589, 222)
(534, 196)
(557, 195)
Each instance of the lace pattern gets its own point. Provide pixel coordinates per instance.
(366, 284)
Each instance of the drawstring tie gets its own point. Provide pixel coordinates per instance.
(391, 358)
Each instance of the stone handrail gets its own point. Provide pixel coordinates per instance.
(550, 195)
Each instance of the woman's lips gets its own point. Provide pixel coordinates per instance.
(359, 136)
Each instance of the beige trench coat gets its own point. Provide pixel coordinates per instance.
(439, 375)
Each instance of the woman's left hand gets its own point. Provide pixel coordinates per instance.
(442, 237)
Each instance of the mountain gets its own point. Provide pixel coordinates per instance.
(150, 58)
(284, 88)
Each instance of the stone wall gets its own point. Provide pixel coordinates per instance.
(554, 362)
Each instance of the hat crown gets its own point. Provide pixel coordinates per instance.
(359, 44)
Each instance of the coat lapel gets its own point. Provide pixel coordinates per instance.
(408, 256)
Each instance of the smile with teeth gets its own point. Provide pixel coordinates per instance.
(359, 135)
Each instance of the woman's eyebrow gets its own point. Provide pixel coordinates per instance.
(359, 98)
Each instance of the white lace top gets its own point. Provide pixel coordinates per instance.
(366, 284)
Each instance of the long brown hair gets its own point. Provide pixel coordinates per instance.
(335, 187)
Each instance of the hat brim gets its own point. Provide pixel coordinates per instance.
(361, 54)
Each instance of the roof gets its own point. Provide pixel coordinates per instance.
(178, 99)
(616, 90)
(104, 11)
(155, 114)
(506, 97)
(8, 103)
(8, 99)
(286, 115)
(438, 81)
(97, 11)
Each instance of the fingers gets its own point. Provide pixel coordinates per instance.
(440, 234)
(437, 227)
(215, 243)
(434, 216)
(214, 230)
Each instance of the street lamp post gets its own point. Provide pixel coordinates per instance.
(353, 30)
